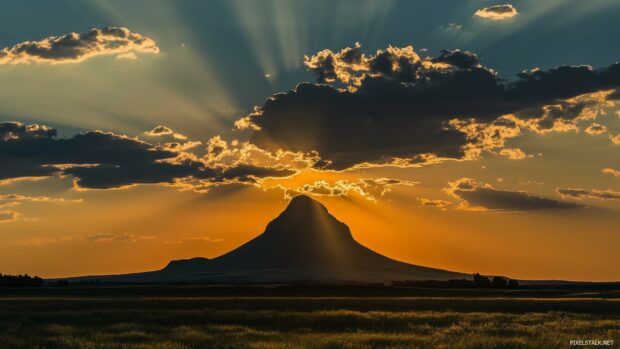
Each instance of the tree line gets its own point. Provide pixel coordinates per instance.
(479, 281)
(20, 281)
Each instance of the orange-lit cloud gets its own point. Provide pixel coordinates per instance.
(367, 188)
(514, 154)
(615, 139)
(434, 203)
(596, 129)
(497, 12)
(18, 197)
(611, 171)
(160, 131)
(75, 48)
(196, 240)
(8, 216)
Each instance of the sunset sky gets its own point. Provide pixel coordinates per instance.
(474, 136)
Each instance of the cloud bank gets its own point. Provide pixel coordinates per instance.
(395, 107)
(101, 160)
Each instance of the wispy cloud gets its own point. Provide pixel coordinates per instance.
(116, 237)
(195, 240)
(574, 193)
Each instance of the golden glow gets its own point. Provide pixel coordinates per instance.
(143, 227)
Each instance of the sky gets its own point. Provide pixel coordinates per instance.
(475, 136)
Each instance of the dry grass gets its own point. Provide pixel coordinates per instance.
(303, 322)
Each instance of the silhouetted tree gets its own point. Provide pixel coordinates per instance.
(481, 281)
(20, 281)
(499, 282)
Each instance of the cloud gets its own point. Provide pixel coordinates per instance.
(434, 203)
(480, 196)
(611, 171)
(21, 179)
(75, 48)
(589, 194)
(451, 26)
(596, 129)
(497, 12)
(514, 154)
(129, 55)
(101, 160)
(615, 139)
(8, 216)
(16, 130)
(368, 188)
(457, 58)
(395, 107)
(42, 241)
(160, 131)
(11, 200)
(118, 237)
(199, 240)
(18, 197)
(220, 151)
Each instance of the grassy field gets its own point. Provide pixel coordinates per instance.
(303, 317)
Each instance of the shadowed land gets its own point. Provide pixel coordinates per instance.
(303, 317)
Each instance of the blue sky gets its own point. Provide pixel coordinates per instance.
(239, 41)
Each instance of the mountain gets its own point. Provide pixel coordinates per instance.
(305, 243)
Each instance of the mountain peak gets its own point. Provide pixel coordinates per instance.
(305, 242)
(303, 203)
(305, 214)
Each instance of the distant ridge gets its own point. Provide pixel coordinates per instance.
(305, 243)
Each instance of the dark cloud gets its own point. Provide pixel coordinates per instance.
(105, 160)
(395, 105)
(497, 12)
(589, 194)
(74, 47)
(476, 195)
(16, 130)
(457, 58)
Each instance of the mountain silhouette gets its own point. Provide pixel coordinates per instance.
(304, 243)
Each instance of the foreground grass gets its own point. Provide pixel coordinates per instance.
(303, 322)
